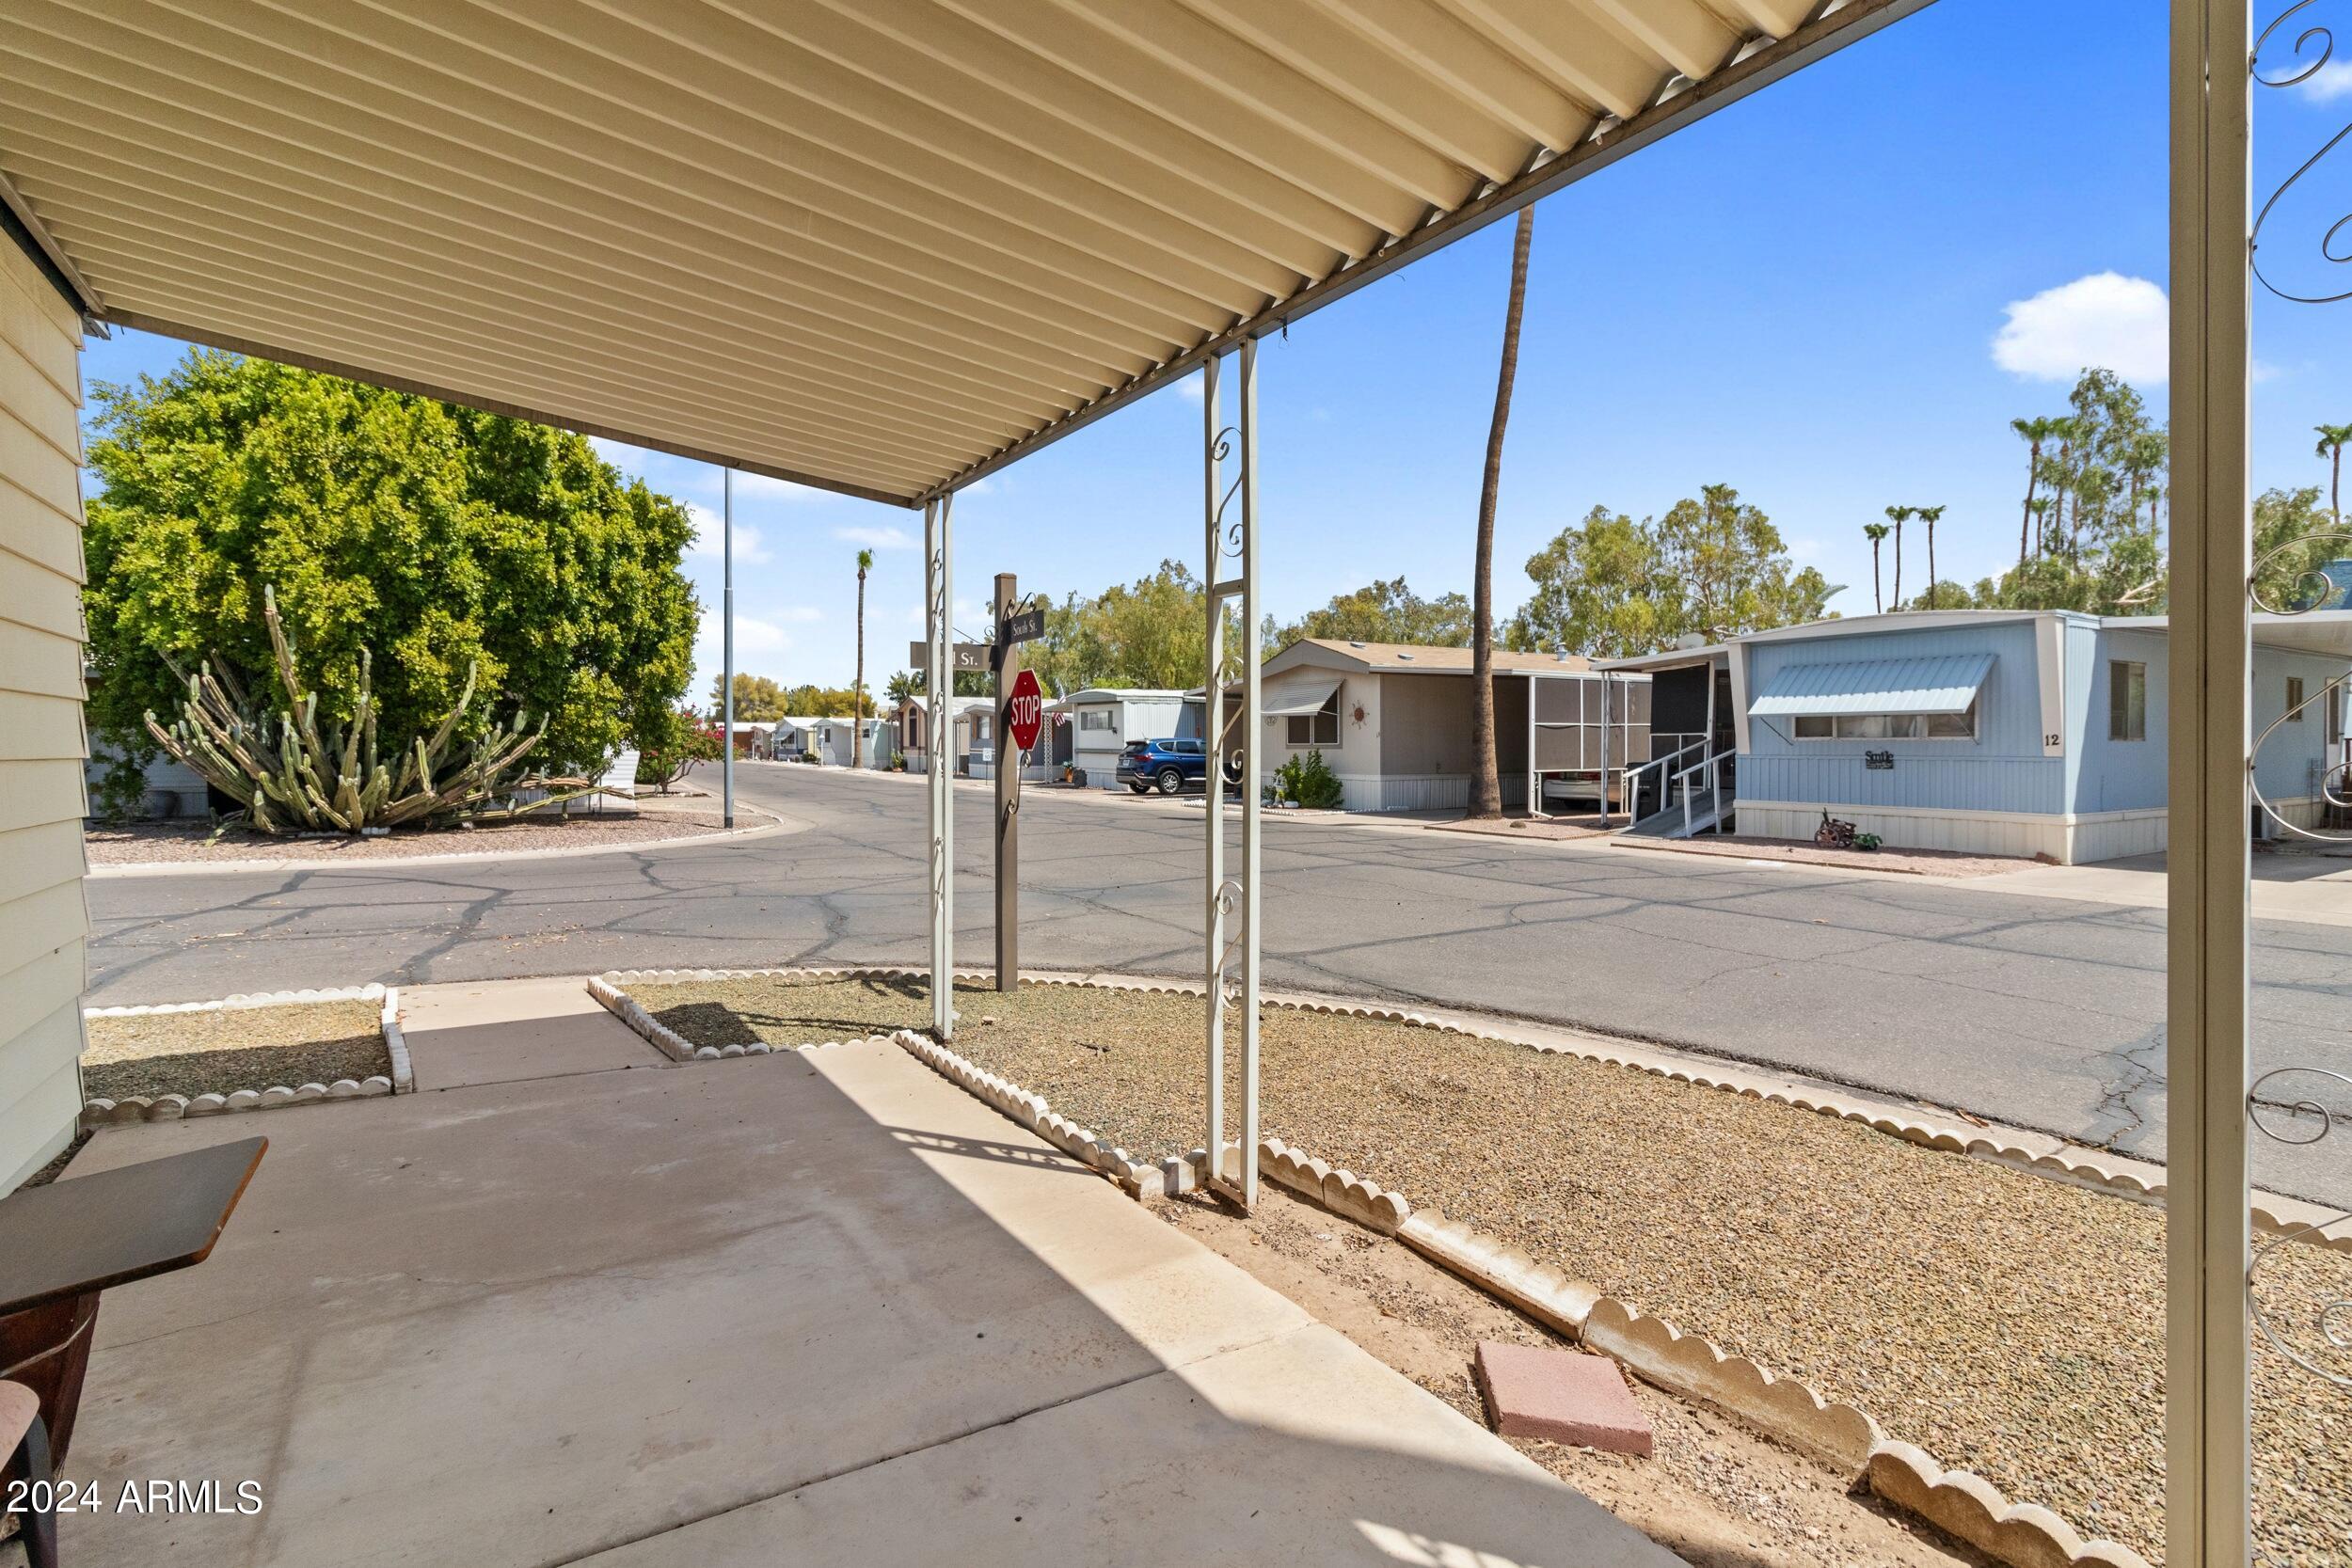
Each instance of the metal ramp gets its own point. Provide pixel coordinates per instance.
(1697, 812)
(1696, 798)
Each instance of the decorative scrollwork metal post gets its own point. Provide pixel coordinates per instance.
(940, 684)
(2315, 1337)
(1232, 898)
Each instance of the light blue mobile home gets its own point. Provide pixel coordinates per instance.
(2036, 733)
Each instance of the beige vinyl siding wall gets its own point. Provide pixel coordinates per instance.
(44, 919)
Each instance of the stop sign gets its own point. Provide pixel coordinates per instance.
(1024, 710)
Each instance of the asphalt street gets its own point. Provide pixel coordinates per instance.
(2043, 1012)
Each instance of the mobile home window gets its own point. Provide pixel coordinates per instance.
(1317, 729)
(1094, 718)
(2127, 699)
(1887, 726)
(2294, 699)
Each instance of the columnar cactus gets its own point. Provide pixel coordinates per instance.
(316, 774)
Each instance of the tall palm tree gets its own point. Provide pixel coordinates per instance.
(2034, 432)
(2041, 525)
(2332, 440)
(1897, 515)
(1929, 515)
(2066, 428)
(1485, 798)
(1875, 532)
(857, 692)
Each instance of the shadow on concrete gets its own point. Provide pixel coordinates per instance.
(800, 1309)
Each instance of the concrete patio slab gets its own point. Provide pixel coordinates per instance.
(498, 1032)
(1299, 1449)
(525, 1322)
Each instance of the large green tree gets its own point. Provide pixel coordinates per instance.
(434, 536)
(1713, 566)
(757, 699)
(1387, 611)
(1152, 633)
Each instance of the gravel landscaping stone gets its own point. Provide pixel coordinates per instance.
(222, 1050)
(2006, 1323)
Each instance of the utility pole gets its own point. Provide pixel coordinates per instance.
(1008, 794)
(726, 655)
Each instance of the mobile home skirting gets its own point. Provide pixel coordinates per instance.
(2075, 838)
(1422, 791)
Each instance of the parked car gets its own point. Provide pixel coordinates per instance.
(1167, 766)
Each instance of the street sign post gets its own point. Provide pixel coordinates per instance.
(1008, 748)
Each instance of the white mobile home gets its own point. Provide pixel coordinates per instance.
(1393, 719)
(1104, 719)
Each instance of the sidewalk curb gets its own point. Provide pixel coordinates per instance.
(778, 824)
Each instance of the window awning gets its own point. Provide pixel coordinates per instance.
(1942, 685)
(1287, 695)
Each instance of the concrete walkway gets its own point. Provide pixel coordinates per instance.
(802, 1308)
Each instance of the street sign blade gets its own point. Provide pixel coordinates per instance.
(1027, 626)
(969, 658)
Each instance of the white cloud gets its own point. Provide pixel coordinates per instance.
(1190, 387)
(884, 538)
(2104, 319)
(753, 635)
(709, 538)
(2329, 82)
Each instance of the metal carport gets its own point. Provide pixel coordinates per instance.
(883, 248)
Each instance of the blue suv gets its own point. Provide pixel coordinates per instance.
(1167, 766)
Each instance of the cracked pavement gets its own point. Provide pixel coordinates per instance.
(2043, 1012)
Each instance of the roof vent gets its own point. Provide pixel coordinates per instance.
(1353, 644)
(1404, 656)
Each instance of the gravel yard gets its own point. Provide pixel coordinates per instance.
(155, 843)
(2006, 1323)
(222, 1050)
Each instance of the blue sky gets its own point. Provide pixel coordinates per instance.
(1800, 296)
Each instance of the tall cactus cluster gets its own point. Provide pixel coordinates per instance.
(297, 769)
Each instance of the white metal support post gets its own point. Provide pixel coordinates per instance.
(2207, 1448)
(726, 651)
(1232, 899)
(939, 684)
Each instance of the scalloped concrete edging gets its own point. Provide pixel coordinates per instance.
(1031, 1111)
(1968, 1507)
(1783, 1409)
(609, 993)
(103, 1112)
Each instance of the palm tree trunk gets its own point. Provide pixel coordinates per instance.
(1878, 600)
(2335, 487)
(1931, 563)
(1898, 564)
(857, 692)
(2025, 523)
(1485, 798)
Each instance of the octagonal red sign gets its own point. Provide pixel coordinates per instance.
(1024, 710)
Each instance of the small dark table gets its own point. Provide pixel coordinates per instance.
(61, 1244)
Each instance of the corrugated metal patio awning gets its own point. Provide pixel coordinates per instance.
(881, 246)
(1942, 685)
(1305, 692)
